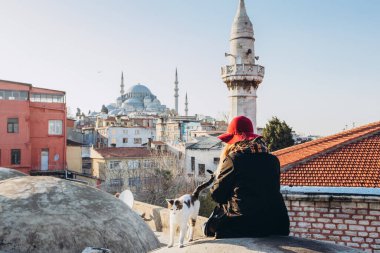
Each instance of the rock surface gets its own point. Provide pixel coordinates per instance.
(9, 173)
(279, 244)
(46, 214)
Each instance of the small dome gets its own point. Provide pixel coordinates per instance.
(47, 214)
(156, 102)
(134, 102)
(147, 99)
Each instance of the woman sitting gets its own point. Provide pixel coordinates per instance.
(247, 187)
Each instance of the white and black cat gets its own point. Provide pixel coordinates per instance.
(184, 210)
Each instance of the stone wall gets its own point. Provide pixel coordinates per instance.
(157, 218)
(350, 220)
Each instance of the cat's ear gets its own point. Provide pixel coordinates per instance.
(170, 201)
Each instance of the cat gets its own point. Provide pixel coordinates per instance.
(183, 210)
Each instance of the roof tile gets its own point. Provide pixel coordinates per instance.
(350, 158)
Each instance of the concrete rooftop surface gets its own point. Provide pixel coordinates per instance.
(279, 244)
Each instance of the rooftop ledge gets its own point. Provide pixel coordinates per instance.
(158, 220)
(260, 245)
(248, 70)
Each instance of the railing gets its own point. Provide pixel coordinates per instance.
(243, 69)
(51, 167)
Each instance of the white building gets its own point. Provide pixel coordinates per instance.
(202, 155)
(126, 137)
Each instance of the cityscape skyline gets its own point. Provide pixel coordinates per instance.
(320, 58)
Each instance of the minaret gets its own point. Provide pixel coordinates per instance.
(176, 91)
(186, 106)
(122, 84)
(242, 75)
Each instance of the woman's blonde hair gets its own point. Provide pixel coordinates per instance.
(225, 151)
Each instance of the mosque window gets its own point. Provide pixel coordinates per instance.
(125, 140)
(137, 141)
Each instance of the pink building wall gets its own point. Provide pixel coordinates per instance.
(33, 136)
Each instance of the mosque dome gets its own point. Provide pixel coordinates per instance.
(47, 214)
(138, 90)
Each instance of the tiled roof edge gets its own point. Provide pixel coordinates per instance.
(327, 138)
(328, 150)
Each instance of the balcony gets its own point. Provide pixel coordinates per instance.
(249, 72)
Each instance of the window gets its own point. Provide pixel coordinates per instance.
(114, 164)
(133, 164)
(137, 131)
(15, 156)
(116, 182)
(45, 98)
(148, 164)
(201, 169)
(125, 140)
(216, 160)
(134, 181)
(55, 127)
(13, 95)
(137, 141)
(13, 125)
(192, 164)
(125, 131)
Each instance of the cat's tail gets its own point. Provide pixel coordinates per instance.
(203, 186)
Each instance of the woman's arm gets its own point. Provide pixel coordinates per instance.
(222, 189)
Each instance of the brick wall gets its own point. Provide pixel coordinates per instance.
(352, 221)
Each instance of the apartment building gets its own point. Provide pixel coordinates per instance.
(32, 127)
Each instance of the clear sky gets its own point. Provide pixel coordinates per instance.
(321, 57)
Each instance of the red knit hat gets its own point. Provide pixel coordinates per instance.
(239, 129)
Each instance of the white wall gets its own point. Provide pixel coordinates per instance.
(202, 157)
(116, 135)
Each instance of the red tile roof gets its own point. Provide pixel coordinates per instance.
(124, 152)
(350, 158)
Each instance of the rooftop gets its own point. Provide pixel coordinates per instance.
(205, 142)
(123, 152)
(350, 159)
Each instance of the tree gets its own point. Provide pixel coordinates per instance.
(151, 180)
(277, 134)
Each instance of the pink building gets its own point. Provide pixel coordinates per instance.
(32, 127)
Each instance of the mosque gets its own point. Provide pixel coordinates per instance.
(137, 98)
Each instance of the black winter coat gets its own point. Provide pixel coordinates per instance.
(248, 188)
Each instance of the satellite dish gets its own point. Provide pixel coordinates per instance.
(127, 197)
